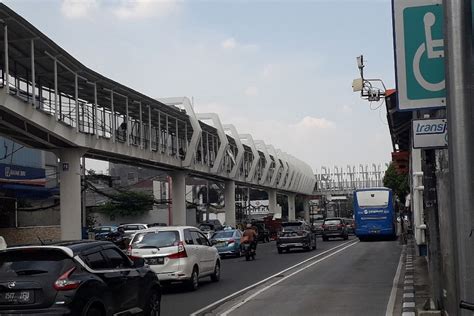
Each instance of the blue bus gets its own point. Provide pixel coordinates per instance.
(374, 213)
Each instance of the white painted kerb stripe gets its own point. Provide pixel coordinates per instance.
(393, 293)
(230, 310)
(265, 280)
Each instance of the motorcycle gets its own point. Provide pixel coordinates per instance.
(249, 251)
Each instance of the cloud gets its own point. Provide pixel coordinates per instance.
(309, 122)
(74, 9)
(251, 91)
(140, 9)
(229, 43)
(346, 109)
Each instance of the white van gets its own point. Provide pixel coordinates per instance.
(177, 253)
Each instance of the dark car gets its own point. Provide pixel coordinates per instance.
(76, 278)
(296, 235)
(215, 223)
(334, 227)
(262, 231)
(318, 227)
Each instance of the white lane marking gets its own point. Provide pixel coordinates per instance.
(265, 280)
(393, 293)
(234, 307)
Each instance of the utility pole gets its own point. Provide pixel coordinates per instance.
(458, 54)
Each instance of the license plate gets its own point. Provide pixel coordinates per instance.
(159, 260)
(375, 231)
(221, 244)
(17, 297)
(333, 228)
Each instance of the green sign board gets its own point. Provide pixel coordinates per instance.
(419, 50)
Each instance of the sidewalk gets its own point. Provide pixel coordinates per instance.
(416, 284)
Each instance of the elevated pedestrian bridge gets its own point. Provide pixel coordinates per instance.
(50, 101)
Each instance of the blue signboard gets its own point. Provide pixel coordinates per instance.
(15, 174)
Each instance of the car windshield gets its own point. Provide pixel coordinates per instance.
(102, 229)
(158, 239)
(332, 222)
(223, 234)
(206, 227)
(31, 261)
(292, 226)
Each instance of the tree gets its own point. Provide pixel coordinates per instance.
(127, 203)
(398, 183)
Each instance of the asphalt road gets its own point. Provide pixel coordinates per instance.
(355, 281)
(238, 274)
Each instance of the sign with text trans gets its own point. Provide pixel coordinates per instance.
(432, 133)
(419, 51)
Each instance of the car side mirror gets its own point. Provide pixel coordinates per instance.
(138, 262)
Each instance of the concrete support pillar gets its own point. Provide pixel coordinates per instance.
(178, 198)
(272, 200)
(291, 207)
(70, 193)
(229, 198)
(306, 209)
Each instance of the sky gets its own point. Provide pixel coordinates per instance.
(279, 70)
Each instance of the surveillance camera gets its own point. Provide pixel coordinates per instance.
(360, 61)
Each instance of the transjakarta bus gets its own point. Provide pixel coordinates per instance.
(374, 213)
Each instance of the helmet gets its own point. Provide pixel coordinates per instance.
(249, 225)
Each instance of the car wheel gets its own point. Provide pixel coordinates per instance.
(93, 310)
(346, 237)
(216, 276)
(325, 238)
(314, 244)
(280, 251)
(153, 306)
(193, 282)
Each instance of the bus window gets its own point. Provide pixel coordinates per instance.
(372, 198)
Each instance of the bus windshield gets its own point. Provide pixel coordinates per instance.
(373, 198)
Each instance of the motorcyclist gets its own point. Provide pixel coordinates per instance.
(250, 236)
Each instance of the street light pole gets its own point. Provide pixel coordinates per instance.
(458, 52)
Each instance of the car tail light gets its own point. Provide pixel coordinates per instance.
(64, 283)
(339, 225)
(231, 241)
(181, 252)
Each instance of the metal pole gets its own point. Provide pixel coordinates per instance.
(458, 50)
(207, 200)
(96, 127)
(7, 66)
(150, 147)
(33, 81)
(76, 97)
(127, 128)
(141, 124)
(56, 88)
(113, 116)
(158, 146)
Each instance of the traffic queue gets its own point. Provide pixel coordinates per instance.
(123, 269)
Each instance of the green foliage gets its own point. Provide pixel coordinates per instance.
(398, 183)
(127, 203)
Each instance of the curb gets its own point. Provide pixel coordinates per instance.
(408, 301)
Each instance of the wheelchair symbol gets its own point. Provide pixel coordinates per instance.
(429, 47)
